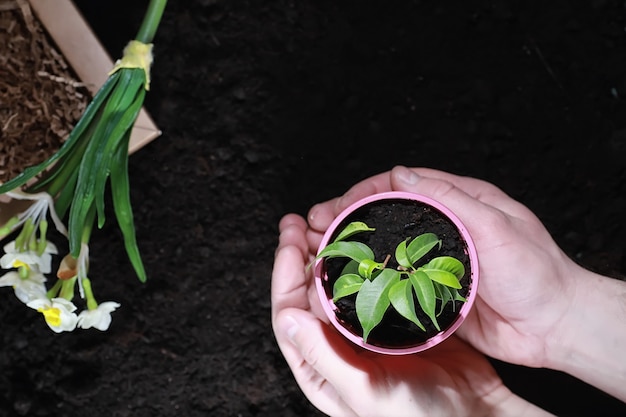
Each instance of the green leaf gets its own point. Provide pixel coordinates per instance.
(445, 270)
(446, 296)
(356, 251)
(346, 285)
(401, 297)
(457, 296)
(352, 267)
(402, 256)
(425, 292)
(372, 301)
(447, 263)
(64, 198)
(57, 176)
(421, 245)
(118, 115)
(442, 277)
(367, 267)
(437, 288)
(352, 229)
(120, 189)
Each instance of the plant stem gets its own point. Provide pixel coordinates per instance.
(151, 21)
(386, 261)
(88, 226)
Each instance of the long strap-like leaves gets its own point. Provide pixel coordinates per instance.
(120, 188)
(120, 112)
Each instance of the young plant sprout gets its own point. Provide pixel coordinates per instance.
(379, 287)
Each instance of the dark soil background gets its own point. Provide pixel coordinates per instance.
(269, 107)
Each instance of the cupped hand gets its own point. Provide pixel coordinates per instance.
(525, 287)
(343, 380)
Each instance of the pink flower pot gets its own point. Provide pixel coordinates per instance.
(324, 288)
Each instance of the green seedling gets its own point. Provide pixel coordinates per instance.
(379, 287)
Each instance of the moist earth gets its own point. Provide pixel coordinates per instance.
(269, 107)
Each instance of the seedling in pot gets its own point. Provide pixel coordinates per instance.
(433, 284)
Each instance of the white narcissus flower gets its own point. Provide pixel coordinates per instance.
(58, 312)
(26, 289)
(99, 318)
(43, 203)
(30, 259)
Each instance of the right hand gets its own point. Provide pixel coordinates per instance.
(526, 283)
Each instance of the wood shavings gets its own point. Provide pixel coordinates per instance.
(40, 97)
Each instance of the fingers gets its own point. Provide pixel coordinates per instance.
(481, 219)
(442, 190)
(289, 280)
(367, 187)
(291, 220)
(292, 232)
(482, 191)
(322, 374)
(293, 294)
(314, 239)
(321, 215)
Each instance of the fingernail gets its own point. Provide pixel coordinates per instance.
(407, 176)
(291, 327)
(312, 213)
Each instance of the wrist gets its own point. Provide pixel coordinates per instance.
(503, 403)
(566, 341)
(591, 338)
(560, 341)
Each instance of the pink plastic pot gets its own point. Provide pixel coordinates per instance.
(325, 292)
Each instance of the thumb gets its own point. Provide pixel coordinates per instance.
(321, 361)
(318, 345)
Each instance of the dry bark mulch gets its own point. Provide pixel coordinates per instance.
(40, 97)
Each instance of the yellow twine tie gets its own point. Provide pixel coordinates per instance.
(136, 55)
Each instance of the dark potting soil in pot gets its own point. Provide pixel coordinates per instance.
(394, 221)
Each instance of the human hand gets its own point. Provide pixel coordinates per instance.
(343, 380)
(524, 289)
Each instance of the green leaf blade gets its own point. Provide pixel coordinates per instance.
(421, 245)
(445, 270)
(443, 277)
(425, 292)
(356, 251)
(352, 229)
(120, 189)
(401, 297)
(402, 256)
(372, 301)
(347, 285)
(352, 267)
(457, 296)
(447, 263)
(445, 296)
(367, 267)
